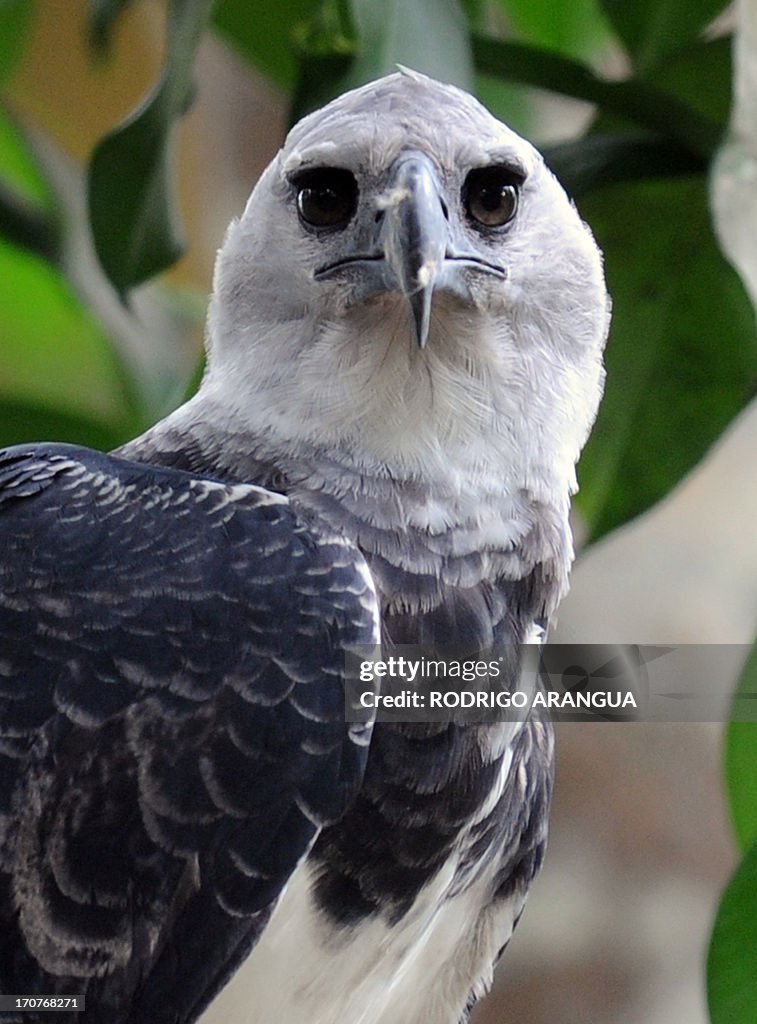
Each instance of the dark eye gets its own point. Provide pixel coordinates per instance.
(326, 197)
(490, 195)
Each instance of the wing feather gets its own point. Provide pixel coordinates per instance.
(172, 732)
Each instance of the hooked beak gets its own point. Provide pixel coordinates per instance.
(415, 235)
(409, 246)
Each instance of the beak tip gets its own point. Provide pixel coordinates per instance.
(420, 306)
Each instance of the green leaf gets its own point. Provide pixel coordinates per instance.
(326, 47)
(652, 30)
(731, 961)
(511, 103)
(264, 33)
(27, 217)
(18, 168)
(700, 76)
(607, 158)
(345, 47)
(321, 78)
(14, 19)
(132, 206)
(640, 103)
(24, 224)
(53, 353)
(430, 36)
(476, 12)
(575, 29)
(133, 212)
(21, 422)
(682, 356)
(741, 762)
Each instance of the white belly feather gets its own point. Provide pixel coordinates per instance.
(307, 970)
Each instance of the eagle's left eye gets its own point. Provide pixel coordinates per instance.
(490, 196)
(326, 197)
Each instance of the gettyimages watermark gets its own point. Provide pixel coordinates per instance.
(568, 682)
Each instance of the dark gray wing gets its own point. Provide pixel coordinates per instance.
(172, 728)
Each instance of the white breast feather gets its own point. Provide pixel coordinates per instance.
(306, 970)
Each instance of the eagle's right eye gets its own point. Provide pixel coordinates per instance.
(326, 197)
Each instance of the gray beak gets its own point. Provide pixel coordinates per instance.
(415, 234)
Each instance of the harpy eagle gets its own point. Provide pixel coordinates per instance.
(404, 360)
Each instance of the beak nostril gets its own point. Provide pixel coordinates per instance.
(445, 209)
(379, 216)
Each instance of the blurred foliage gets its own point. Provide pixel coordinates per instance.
(265, 33)
(652, 31)
(732, 957)
(14, 16)
(741, 760)
(682, 358)
(681, 363)
(134, 219)
(731, 974)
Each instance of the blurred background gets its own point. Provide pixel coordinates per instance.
(632, 104)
